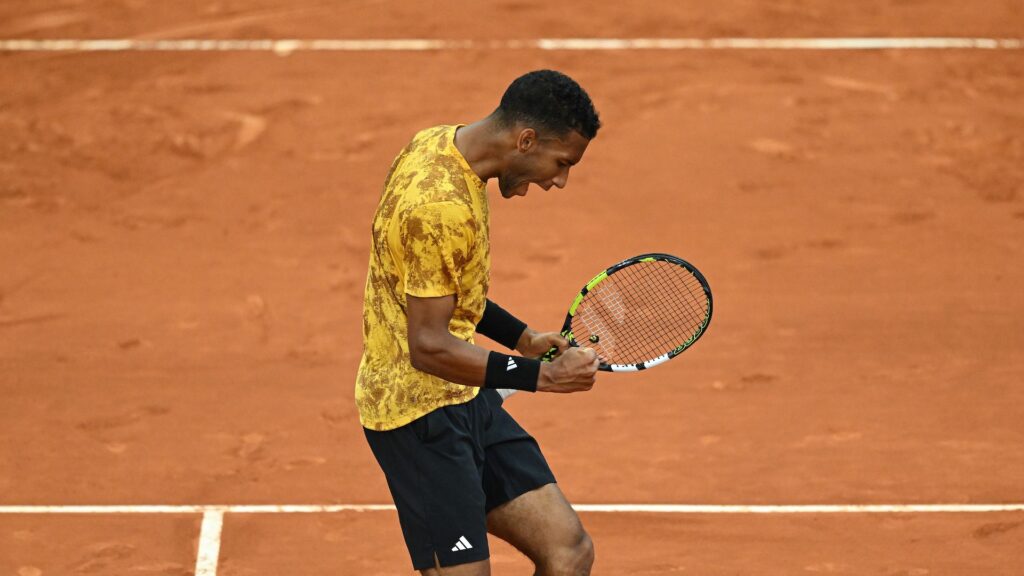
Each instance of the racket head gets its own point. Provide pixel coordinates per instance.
(640, 312)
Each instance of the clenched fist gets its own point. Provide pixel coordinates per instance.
(573, 371)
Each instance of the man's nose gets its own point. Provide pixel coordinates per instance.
(561, 179)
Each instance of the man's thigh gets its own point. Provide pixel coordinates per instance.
(433, 471)
(514, 464)
(537, 523)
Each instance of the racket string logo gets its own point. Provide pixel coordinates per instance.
(593, 321)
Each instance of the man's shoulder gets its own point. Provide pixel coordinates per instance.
(439, 210)
(428, 156)
(430, 139)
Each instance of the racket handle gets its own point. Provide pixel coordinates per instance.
(549, 355)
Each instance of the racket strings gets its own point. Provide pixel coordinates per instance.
(642, 312)
(651, 329)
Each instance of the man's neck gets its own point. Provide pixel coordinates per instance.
(482, 144)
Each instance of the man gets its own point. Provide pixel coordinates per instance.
(457, 464)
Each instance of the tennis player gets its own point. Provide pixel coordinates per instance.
(457, 464)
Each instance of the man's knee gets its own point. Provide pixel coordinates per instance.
(570, 560)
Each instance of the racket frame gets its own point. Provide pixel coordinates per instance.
(596, 280)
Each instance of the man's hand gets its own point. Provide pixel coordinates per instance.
(533, 344)
(573, 371)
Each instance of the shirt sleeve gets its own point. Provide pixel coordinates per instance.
(437, 239)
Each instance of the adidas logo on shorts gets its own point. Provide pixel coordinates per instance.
(462, 544)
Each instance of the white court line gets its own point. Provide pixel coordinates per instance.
(209, 543)
(208, 555)
(288, 46)
(619, 508)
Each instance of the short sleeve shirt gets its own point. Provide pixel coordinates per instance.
(430, 238)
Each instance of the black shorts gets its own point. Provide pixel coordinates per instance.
(448, 469)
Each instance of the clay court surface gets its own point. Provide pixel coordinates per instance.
(184, 240)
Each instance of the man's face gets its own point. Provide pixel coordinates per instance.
(544, 161)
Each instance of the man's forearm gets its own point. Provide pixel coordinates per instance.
(449, 358)
(455, 360)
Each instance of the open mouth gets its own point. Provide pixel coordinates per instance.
(519, 189)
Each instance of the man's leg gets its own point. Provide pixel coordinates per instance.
(481, 568)
(432, 467)
(542, 525)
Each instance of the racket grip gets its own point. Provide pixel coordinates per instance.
(549, 355)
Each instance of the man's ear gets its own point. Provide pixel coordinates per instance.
(526, 140)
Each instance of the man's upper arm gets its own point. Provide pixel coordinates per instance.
(437, 241)
(428, 319)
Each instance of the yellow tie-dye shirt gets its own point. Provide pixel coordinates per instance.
(430, 238)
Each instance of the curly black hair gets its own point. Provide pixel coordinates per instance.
(551, 100)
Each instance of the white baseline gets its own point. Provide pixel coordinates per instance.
(207, 556)
(207, 509)
(289, 45)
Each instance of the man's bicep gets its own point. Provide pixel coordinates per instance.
(428, 316)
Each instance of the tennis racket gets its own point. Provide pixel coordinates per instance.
(639, 313)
